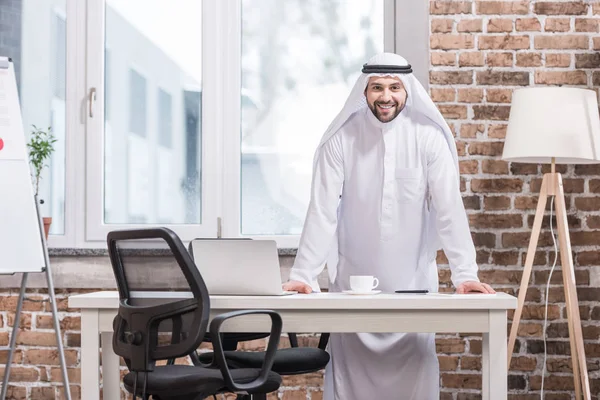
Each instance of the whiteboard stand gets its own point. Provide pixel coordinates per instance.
(13, 338)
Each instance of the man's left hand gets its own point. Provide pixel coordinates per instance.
(473, 287)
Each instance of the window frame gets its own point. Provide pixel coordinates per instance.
(221, 153)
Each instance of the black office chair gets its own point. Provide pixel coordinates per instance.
(289, 361)
(144, 322)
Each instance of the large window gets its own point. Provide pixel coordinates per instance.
(33, 33)
(299, 61)
(151, 162)
(199, 115)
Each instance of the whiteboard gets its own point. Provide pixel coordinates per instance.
(21, 241)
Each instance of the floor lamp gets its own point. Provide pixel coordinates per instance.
(554, 125)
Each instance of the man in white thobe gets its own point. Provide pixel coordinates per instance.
(392, 158)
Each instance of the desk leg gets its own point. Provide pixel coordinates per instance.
(111, 378)
(494, 368)
(90, 356)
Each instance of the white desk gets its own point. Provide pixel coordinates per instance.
(318, 312)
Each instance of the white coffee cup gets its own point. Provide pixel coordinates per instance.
(363, 283)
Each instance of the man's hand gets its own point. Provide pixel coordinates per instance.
(474, 286)
(297, 286)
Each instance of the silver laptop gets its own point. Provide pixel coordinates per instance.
(238, 266)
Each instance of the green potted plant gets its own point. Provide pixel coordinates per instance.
(40, 146)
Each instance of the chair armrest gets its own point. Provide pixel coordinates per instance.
(219, 355)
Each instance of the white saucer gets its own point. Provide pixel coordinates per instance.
(363, 293)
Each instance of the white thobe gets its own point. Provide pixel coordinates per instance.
(400, 199)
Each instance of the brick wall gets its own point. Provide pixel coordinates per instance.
(480, 52)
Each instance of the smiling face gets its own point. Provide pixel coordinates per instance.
(385, 96)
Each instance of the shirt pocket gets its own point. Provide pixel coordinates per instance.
(409, 185)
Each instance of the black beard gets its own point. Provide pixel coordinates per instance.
(378, 115)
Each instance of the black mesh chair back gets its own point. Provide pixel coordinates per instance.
(145, 303)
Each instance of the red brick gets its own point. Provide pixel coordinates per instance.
(560, 78)
(559, 365)
(556, 383)
(560, 8)
(558, 60)
(446, 59)
(593, 221)
(587, 203)
(22, 374)
(33, 338)
(470, 95)
(445, 41)
(471, 59)
(296, 394)
(582, 277)
(448, 363)
(461, 381)
(591, 60)
(502, 7)
(453, 112)
(523, 363)
(42, 393)
(529, 59)
(586, 25)
(497, 167)
(528, 24)
(497, 131)
(450, 7)
(485, 239)
(500, 25)
(470, 363)
(505, 42)
(499, 59)
(441, 95)
(496, 203)
(9, 303)
(505, 258)
(539, 258)
(521, 239)
(469, 167)
(470, 131)
(587, 169)
(530, 330)
(503, 78)
(526, 202)
(498, 95)
(536, 312)
(557, 25)
(561, 42)
(498, 185)
(497, 221)
(486, 148)
(470, 25)
(441, 25)
(450, 345)
(451, 77)
(471, 202)
(491, 112)
(49, 357)
(74, 375)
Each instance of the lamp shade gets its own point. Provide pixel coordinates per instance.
(547, 122)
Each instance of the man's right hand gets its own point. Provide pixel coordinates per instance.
(297, 286)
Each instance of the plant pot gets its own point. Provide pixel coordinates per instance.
(47, 223)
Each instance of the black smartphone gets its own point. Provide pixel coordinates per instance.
(416, 291)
